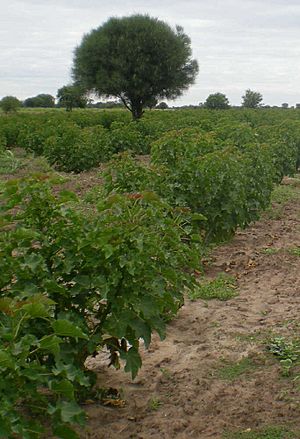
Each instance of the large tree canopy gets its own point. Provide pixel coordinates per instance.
(10, 104)
(71, 96)
(251, 99)
(137, 59)
(217, 101)
(42, 100)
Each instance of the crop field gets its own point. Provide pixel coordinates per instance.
(167, 248)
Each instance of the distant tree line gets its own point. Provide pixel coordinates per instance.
(73, 96)
(40, 101)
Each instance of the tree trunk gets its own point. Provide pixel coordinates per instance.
(136, 111)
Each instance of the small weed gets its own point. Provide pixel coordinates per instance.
(264, 433)
(93, 195)
(295, 251)
(154, 404)
(215, 324)
(287, 351)
(270, 251)
(259, 336)
(232, 371)
(166, 373)
(8, 162)
(222, 288)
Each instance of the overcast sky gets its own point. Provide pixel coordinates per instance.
(239, 44)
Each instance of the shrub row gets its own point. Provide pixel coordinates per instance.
(43, 133)
(213, 174)
(73, 281)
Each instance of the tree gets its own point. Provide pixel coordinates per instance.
(151, 103)
(10, 104)
(42, 100)
(251, 99)
(71, 96)
(136, 59)
(162, 106)
(285, 105)
(216, 101)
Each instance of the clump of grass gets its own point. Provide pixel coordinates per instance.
(270, 251)
(264, 433)
(295, 251)
(8, 162)
(92, 196)
(281, 195)
(223, 287)
(232, 371)
(154, 404)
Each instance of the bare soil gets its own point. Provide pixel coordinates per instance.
(182, 390)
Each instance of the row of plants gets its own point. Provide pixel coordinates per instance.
(73, 280)
(77, 276)
(226, 180)
(85, 139)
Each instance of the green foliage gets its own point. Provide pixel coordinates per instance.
(162, 106)
(221, 288)
(217, 101)
(8, 162)
(294, 251)
(126, 174)
(72, 282)
(124, 137)
(10, 128)
(75, 149)
(270, 251)
(3, 142)
(40, 101)
(32, 136)
(287, 351)
(10, 104)
(71, 96)
(136, 59)
(251, 99)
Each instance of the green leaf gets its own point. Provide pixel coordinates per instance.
(6, 361)
(33, 261)
(71, 412)
(64, 432)
(133, 362)
(65, 196)
(68, 329)
(5, 303)
(84, 281)
(35, 310)
(50, 343)
(108, 250)
(63, 387)
(142, 330)
(4, 428)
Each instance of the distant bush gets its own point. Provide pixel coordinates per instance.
(10, 104)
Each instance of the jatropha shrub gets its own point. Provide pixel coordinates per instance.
(73, 280)
(73, 149)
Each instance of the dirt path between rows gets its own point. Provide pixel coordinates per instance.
(180, 391)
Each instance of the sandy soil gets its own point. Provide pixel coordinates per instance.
(180, 391)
